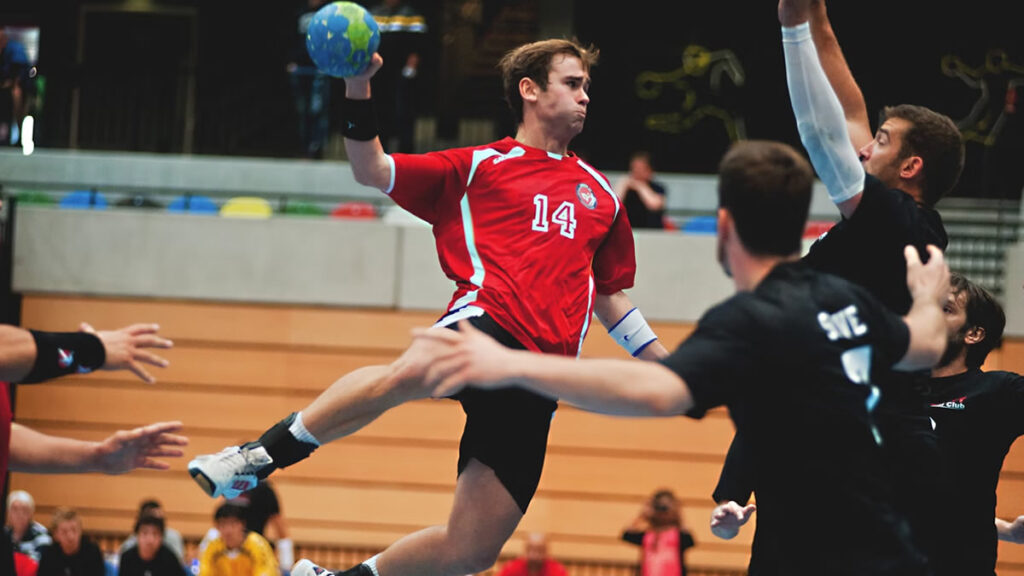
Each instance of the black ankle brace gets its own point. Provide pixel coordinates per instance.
(284, 448)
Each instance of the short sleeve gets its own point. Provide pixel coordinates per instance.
(615, 261)
(1013, 401)
(635, 537)
(422, 180)
(712, 361)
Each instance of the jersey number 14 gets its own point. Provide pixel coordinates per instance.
(564, 216)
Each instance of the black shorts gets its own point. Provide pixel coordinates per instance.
(506, 429)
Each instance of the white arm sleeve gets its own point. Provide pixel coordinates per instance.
(819, 117)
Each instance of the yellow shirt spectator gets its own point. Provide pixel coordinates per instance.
(236, 552)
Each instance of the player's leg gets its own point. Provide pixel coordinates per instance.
(346, 406)
(501, 456)
(484, 515)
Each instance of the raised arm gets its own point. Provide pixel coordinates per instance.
(627, 326)
(820, 115)
(370, 165)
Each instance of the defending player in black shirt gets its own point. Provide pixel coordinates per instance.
(977, 417)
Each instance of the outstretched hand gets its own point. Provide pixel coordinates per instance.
(927, 281)
(468, 357)
(727, 519)
(127, 450)
(125, 348)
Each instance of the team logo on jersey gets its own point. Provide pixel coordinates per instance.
(586, 196)
(954, 404)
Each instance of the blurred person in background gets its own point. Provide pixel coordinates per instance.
(71, 553)
(27, 535)
(236, 551)
(659, 531)
(149, 557)
(171, 538)
(534, 561)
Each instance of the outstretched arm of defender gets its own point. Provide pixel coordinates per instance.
(792, 13)
(819, 114)
(618, 387)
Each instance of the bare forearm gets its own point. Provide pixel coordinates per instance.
(927, 336)
(17, 353)
(39, 453)
(651, 199)
(618, 387)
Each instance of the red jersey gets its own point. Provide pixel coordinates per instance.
(528, 236)
(518, 567)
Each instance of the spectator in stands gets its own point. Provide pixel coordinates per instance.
(71, 553)
(396, 85)
(263, 510)
(659, 531)
(27, 535)
(236, 551)
(150, 557)
(171, 538)
(643, 196)
(535, 561)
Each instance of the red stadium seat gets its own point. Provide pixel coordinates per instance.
(355, 210)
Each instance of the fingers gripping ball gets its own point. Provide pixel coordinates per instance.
(342, 38)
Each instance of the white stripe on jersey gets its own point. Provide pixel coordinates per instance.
(391, 182)
(590, 312)
(604, 183)
(467, 312)
(467, 227)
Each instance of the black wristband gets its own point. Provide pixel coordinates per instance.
(358, 120)
(61, 353)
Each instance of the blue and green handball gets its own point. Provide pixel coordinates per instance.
(342, 38)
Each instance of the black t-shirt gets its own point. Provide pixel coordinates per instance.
(794, 361)
(261, 503)
(165, 563)
(977, 417)
(88, 561)
(867, 248)
(639, 215)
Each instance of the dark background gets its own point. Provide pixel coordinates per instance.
(132, 69)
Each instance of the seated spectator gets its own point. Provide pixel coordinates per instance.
(172, 538)
(70, 554)
(659, 532)
(27, 535)
(535, 561)
(236, 551)
(263, 510)
(150, 557)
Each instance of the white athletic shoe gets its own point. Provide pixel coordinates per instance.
(305, 567)
(231, 471)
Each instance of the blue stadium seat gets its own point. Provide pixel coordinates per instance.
(83, 200)
(701, 225)
(193, 204)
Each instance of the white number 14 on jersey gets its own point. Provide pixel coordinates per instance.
(564, 216)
